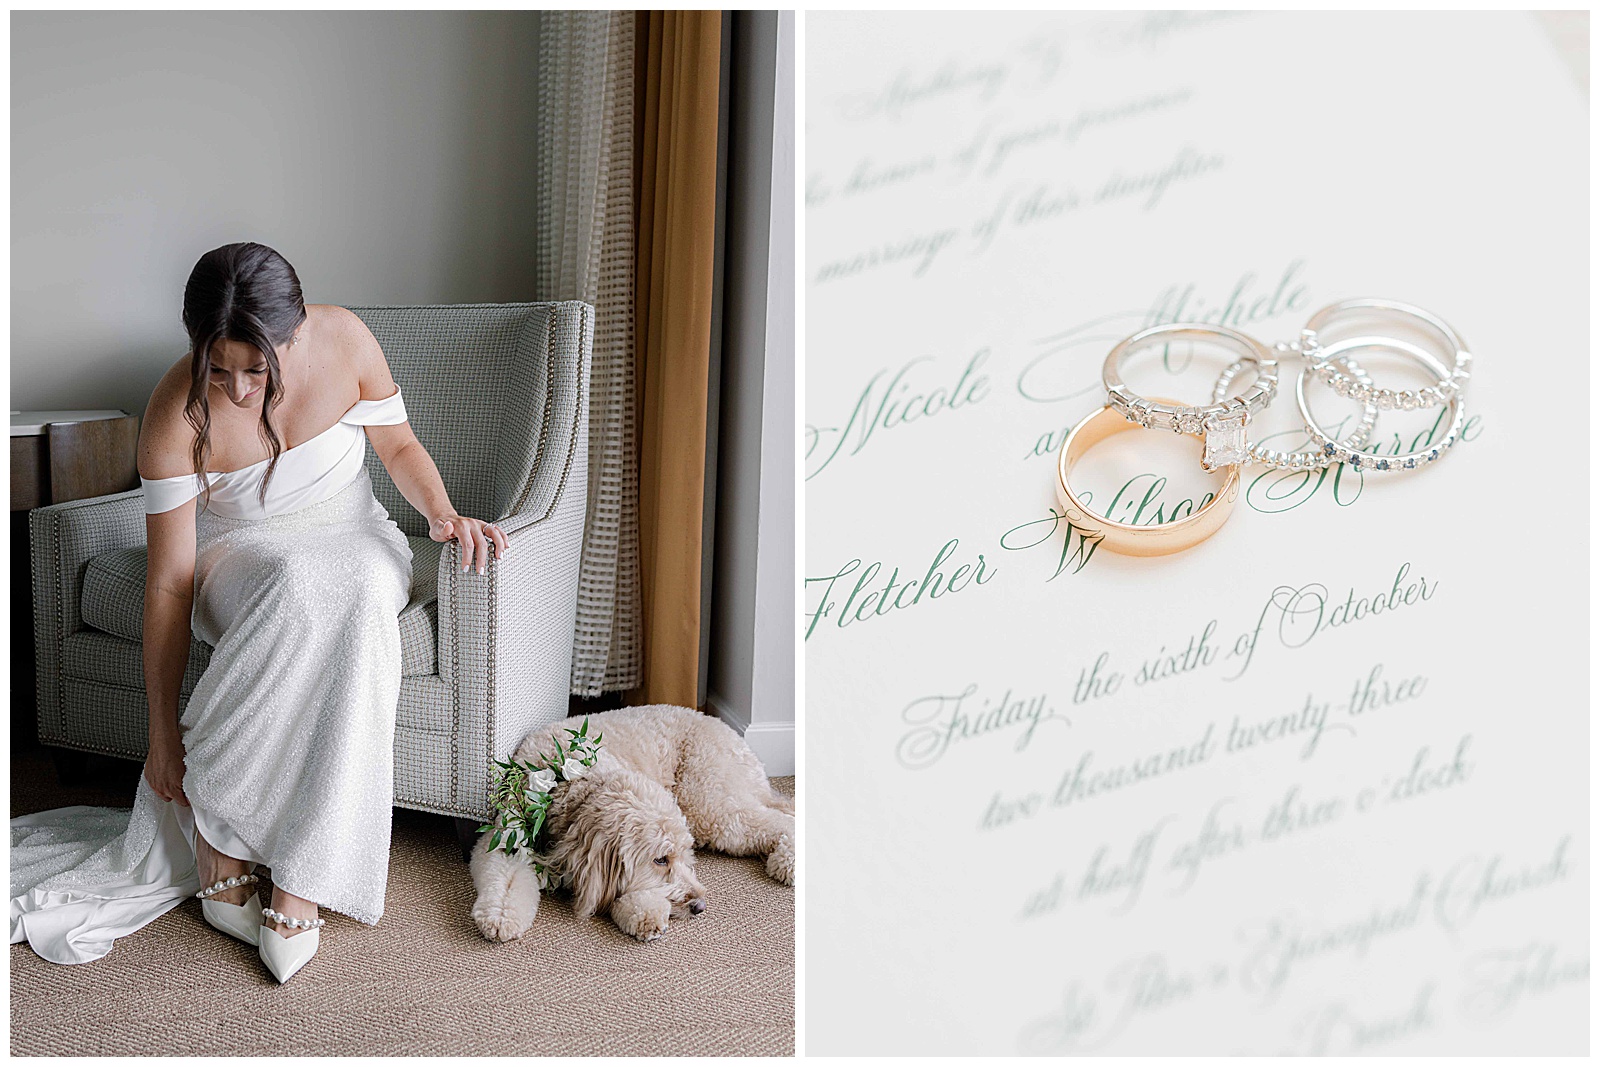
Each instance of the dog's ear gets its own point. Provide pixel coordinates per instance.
(586, 849)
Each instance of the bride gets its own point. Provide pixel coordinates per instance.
(286, 564)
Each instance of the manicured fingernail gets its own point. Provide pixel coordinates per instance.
(482, 570)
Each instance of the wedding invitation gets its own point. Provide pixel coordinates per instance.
(1316, 785)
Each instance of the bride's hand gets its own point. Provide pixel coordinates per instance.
(163, 769)
(475, 536)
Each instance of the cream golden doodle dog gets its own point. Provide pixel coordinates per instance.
(668, 780)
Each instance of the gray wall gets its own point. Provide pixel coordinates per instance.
(388, 155)
(752, 669)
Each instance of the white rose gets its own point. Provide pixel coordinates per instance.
(573, 769)
(542, 780)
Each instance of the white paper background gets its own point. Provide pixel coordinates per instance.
(1439, 159)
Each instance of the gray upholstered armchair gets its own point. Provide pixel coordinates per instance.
(498, 394)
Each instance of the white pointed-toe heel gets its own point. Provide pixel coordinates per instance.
(285, 955)
(237, 920)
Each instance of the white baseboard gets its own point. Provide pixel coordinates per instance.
(772, 742)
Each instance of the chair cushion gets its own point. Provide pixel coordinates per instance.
(112, 597)
(113, 601)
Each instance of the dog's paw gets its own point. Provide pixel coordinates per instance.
(508, 915)
(501, 923)
(648, 928)
(780, 863)
(508, 895)
(641, 918)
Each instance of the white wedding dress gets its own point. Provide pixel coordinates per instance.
(289, 733)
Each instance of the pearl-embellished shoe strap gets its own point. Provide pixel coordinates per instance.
(225, 885)
(293, 924)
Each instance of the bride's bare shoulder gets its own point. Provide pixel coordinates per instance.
(358, 349)
(165, 436)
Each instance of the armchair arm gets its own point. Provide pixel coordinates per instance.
(505, 638)
(505, 643)
(63, 538)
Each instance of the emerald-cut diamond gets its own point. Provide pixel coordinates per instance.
(1225, 445)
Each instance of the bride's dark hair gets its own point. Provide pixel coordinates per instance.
(240, 292)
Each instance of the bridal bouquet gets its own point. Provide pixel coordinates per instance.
(520, 798)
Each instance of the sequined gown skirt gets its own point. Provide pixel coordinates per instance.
(288, 735)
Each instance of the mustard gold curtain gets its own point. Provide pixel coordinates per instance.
(680, 57)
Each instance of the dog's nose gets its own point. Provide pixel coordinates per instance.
(696, 906)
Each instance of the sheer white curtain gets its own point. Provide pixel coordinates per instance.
(585, 245)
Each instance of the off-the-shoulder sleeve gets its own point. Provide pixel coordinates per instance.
(164, 494)
(389, 411)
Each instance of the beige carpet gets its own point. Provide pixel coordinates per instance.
(423, 981)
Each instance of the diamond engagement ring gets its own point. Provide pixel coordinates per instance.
(1221, 424)
(1315, 457)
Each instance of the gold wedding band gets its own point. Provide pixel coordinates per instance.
(1159, 539)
